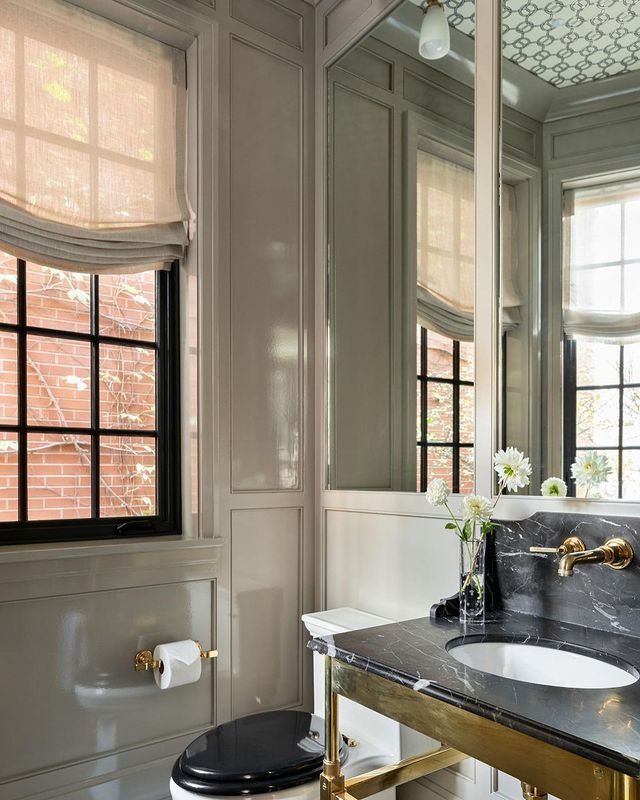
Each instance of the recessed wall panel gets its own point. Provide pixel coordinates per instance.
(76, 695)
(265, 264)
(266, 628)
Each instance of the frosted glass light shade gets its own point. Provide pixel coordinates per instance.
(435, 40)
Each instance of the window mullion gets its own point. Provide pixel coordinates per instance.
(23, 501)
(95, 398)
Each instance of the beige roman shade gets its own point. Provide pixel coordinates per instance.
(92, 141)
(601, 270)
(446, 249)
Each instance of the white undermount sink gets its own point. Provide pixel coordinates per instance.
(543, 664)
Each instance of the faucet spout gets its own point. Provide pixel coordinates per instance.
(616, 553)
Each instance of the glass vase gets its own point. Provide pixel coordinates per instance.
(472, 580)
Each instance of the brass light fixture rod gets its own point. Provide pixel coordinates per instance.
(144, 661)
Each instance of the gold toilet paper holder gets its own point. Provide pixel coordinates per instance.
(143, 661)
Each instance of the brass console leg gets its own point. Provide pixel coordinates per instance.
(331, 779)
(530, 792)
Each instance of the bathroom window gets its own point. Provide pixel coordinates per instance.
(445, 410)
(602, 330)
(88, 403)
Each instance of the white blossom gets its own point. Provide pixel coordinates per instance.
(553, 487)
(590, 469)
(437, 492)
(476, 508)
(513, 468)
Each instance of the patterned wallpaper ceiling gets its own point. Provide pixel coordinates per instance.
(564, 42)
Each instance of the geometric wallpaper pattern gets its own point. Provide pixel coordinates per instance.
(564, 42)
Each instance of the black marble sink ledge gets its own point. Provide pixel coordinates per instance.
(599, 724)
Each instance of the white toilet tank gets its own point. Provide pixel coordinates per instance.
(354, 720)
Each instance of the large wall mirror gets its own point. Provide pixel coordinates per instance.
(570, 267)
(401, 260)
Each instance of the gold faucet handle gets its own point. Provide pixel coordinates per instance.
(571, 545)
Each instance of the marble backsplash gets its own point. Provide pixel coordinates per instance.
(595, 595)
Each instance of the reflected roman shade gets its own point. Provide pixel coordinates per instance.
(92, 141)
(446, 249)
(601, 270)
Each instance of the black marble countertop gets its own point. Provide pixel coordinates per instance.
(600, 724)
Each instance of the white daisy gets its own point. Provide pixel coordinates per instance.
(513, 468)
(553, 487)
(476, 508)
(437, 492)
(590, 469)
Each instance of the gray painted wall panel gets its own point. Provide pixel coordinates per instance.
(72, 660)
(271, 18)
(265, 262)
(266, 608)
(362, 206)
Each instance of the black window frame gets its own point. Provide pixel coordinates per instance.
(423, 444)
(570, 402)
(167, 519)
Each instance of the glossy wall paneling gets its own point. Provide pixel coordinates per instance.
(266, 558)
(74, 692)
(266, 269)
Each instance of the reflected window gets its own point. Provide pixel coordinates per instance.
(601, 330)
(445, 403)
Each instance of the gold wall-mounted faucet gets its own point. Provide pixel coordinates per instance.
(615, 553)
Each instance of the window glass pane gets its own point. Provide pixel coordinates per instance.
(596, 288)
(632, 230)
(632, 288)
(597, 415)
(131, 134)
(56, 79)
(439, 412)
(419, 412)
(632, 363)
(467, 356)
(631, 418)
(608, 489)
(440, 464)
(8, 378)
(128, 305)
(466, 413)
(467, 470)
(8, 477)
(597, 364)
(58, 299)
(58, 382)
(128, 476)
(59, 476)
(439, 356)
(127, 387)
(8, 288)
(631, 475)
(595, 234)
(419, 469)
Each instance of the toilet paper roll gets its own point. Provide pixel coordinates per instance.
(181, 663)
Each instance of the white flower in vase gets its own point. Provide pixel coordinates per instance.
(553, 487)
(476, 508)
(437, 492)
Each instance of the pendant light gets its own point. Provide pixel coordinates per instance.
(434, 33)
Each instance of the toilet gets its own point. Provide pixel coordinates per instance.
(279, 754)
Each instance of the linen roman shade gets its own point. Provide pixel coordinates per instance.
(92, 141)
(601, 271)
(446, 249)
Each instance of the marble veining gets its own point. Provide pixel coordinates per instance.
(597, 609)
(594, 595)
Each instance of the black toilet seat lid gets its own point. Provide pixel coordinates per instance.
(256, 754)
